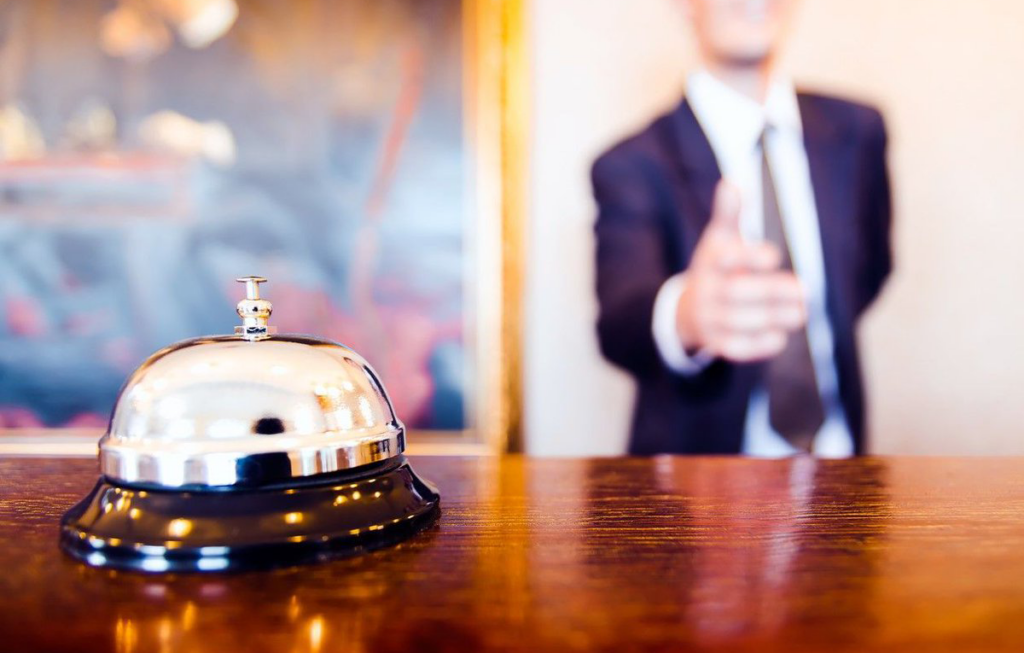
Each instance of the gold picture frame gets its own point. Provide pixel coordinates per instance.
(498, 81)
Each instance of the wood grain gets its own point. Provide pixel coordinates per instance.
(905, 554)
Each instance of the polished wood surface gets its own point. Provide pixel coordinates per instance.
(875, 554)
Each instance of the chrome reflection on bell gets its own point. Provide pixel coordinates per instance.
(256, 424)
(249, 409)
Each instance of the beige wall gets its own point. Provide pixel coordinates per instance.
(943, 348)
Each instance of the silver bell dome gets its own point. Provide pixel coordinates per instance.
(254, 408)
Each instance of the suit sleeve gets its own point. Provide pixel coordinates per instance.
(879, 215)
(632, 261)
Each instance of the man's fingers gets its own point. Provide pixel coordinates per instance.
(761, 257)
(730, 253)
(757, 318)
(722, 245)
(773, 287)
(747, 349)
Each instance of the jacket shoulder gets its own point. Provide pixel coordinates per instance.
(843, 113)
(644, 147)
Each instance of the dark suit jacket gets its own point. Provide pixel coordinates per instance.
(654, 193)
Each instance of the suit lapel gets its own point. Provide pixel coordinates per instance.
(831, 157)
(696, 165)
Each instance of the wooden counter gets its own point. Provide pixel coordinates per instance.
(876, 554)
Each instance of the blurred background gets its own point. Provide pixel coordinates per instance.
(153, 150)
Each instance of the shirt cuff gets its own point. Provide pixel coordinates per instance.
(666, 337)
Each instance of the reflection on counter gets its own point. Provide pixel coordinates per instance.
(557, 555)
(692, 544)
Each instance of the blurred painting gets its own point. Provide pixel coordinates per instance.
(151, 151)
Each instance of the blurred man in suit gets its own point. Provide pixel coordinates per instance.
(739, 239)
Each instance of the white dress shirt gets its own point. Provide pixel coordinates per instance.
(733, 124)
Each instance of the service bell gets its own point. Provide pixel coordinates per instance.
(248, 450)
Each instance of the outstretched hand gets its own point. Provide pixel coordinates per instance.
(737, 304)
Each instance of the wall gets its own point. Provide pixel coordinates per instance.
(942, 347)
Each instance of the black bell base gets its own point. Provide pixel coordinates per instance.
(333, 515)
